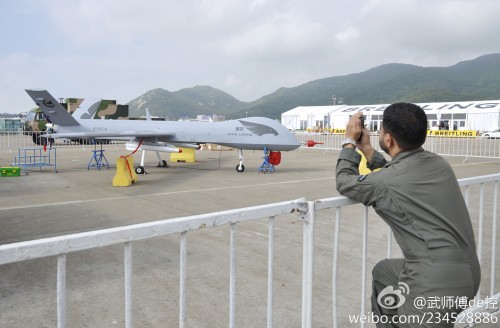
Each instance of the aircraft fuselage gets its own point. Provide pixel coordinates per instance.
(246, 133)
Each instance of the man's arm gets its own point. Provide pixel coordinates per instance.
(374, 159)
(361, 136)
(349, 182)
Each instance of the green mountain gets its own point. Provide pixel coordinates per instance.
(199, 100)
(477, 79)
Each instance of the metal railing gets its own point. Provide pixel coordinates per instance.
(467, 147)
(61, 246)
(338, 203)
(12, 141)
(309, 211)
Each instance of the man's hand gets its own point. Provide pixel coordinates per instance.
(364, 140)
(353, 129)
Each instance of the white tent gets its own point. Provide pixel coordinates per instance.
(471, 115)
(307, 117)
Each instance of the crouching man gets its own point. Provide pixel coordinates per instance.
(417, 195)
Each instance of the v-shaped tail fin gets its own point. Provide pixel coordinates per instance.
(52, 109)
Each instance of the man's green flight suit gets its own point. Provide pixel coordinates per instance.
(418, 196)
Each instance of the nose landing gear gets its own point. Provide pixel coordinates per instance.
(271, 159)
(240, 167)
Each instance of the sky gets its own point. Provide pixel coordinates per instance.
(120, 49)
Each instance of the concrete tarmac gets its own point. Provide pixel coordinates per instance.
(75, 199)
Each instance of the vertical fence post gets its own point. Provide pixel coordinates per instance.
(128, 284)
(480, 231)
(493, 239)
(481, 214)
(270, 273)
(389, 242)
(232, 276)
(61, 291)
(363, 263)
(336, 239)
(307, 266)
(182, 279)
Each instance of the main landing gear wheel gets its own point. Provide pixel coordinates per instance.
(140, 170)
(240, 168)
(162, 163)
(41, 141)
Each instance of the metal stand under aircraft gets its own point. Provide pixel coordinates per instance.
(266, 166)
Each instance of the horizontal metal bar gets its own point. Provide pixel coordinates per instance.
(338, 201)
(21, 251)
(479, 179)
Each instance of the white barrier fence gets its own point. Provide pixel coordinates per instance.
(467, 147)
(447, 146)
(12, 141)
(311, 213)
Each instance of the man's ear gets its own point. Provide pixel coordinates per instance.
(389, 139)
(392, 143)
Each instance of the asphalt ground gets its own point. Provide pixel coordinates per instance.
(75, 199)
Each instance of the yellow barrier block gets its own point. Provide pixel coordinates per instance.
(187, 155)
(124, 176)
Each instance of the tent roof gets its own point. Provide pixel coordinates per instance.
(315, 110)
(470, 107)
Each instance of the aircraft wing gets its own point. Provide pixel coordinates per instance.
(109, 135)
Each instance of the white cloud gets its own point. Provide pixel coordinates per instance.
(348, 35)
(281, 35)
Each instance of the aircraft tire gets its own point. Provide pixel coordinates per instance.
(42, 141)
(164, 163)
(35, 138)
(139, 170)
(240, 168)
(39, 140)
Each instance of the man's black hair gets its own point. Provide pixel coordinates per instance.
(407, 123)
